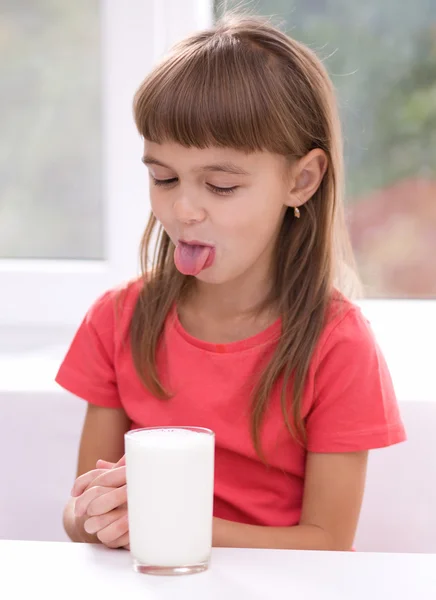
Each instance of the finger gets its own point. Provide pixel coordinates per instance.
(110, 534)
(95, 524)
(102, 504)
(82, 502)
(121, 542)
(112, 478)
(121, 462)
(104, 464)
(84, 481)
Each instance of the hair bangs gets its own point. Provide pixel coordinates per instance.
(214, 94)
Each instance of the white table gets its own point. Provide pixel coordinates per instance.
(53, 570)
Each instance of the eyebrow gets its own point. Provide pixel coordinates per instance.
(224, 167)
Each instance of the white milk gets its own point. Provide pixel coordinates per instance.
(170, 475)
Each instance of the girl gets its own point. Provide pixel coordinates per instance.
(241, 325)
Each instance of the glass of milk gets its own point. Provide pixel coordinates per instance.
(170, 478)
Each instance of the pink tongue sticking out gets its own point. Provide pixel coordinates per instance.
(190, 260)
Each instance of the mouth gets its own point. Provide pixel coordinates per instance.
(193, 256)
(194, 243)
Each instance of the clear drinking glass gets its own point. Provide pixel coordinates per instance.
(170, 479)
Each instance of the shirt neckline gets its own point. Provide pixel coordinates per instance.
(268, 335)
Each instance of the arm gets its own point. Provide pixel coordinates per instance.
(102, 438)
(333, 494)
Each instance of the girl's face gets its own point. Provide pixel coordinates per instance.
(230, 201)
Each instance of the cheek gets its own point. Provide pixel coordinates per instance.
(159, 207)
(258, 218)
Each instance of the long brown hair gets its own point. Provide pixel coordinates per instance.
(245, 85)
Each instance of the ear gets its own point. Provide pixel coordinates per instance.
(306, 177)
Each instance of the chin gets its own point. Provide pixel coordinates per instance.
(211, 276)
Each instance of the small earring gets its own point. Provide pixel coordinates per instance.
(297, 213)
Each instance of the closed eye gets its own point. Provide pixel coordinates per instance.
(164, 182)
(221, 190)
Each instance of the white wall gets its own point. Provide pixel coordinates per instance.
(398, 513)
(39, 438)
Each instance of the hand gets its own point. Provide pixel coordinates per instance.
(101, 503)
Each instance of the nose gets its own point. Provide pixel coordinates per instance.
(187, 212)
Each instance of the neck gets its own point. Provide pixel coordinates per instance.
(228, 312)
(237, 298)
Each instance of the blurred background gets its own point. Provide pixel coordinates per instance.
(381, 57)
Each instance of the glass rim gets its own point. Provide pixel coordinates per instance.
(203, 430)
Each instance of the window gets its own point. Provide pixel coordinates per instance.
(382, 59)
(51, 163)
(72, 193)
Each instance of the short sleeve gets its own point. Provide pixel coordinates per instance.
(354, 406)
(88, 367)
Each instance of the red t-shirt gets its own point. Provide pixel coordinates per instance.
(348, 403)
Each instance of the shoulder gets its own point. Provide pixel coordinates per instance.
(115, 305)
(352, 405)
(110, 316)
(346, 330)
(349, 361)
(88, 369)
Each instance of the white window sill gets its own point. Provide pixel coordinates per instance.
(30, 357)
